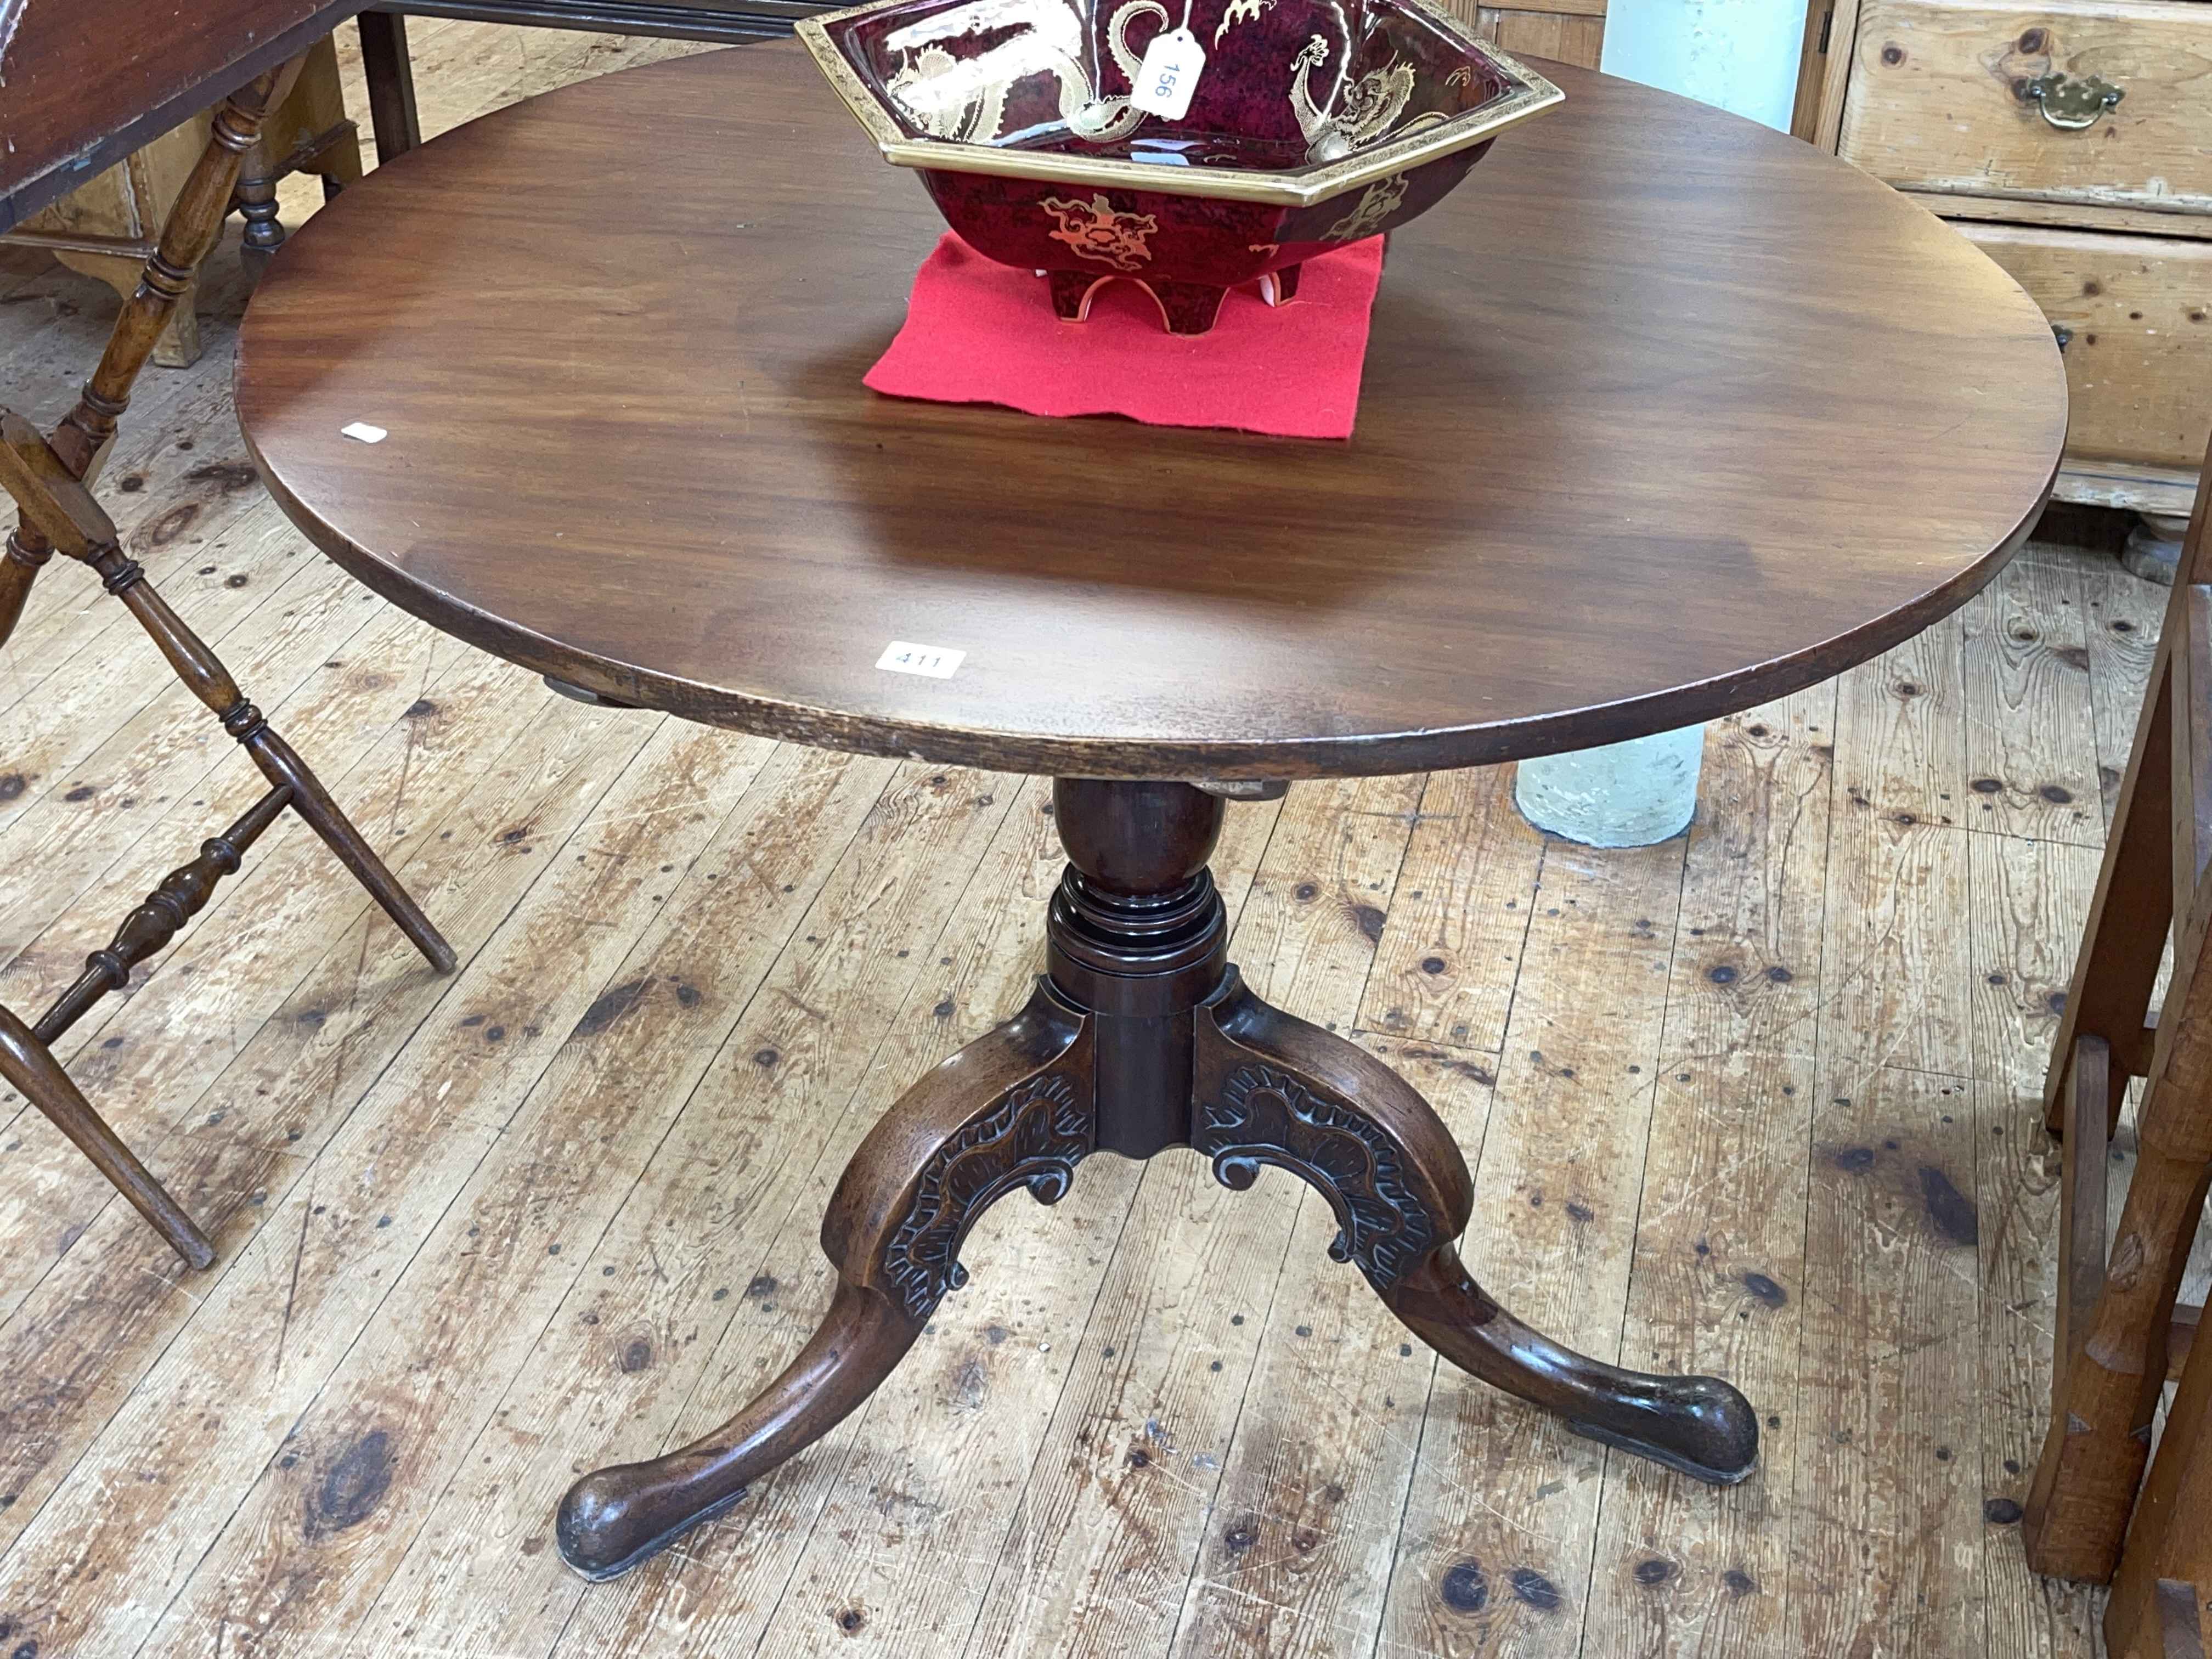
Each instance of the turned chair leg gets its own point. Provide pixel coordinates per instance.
(30, 1068)
(47, 477)
(27, 1058)
(255, 197)
(280, 763)
(19, 568)
(1012, 1110)
(209, 680)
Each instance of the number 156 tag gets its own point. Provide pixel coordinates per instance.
(1168, 75)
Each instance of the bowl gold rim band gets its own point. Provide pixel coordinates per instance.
(1532, 95)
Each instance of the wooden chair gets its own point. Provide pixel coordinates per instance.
(2120, 1337)
(48, 479)
(106, 227)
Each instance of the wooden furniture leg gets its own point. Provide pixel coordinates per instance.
(2114, 974)
(202, 672)
(27, 1059)
(1010, 1110)
(2118, 1322)
(56, 509)
(178, 346)
(2163, 1591)
(1141, 1037)
(80, 443)
(2117, 1318)
(58, 513)
(1274, 1090)
(255, 197)
(31, 1069)
(391, 79)
(106, 227)
(308, 132)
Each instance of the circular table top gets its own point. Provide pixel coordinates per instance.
(1664, 414)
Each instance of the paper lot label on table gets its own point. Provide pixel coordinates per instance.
(904, 657)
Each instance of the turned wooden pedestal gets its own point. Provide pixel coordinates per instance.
(1140, 1039)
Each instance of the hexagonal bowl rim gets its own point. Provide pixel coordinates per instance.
(1531, 95)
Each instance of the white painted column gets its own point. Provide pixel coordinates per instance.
(1740, 55)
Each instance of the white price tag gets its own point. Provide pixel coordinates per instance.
(1168, 75)
(903, 657)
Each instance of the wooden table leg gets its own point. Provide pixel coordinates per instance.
(1140, 1038)
(1011, 1110)
(1276, 1090)
(391, 79)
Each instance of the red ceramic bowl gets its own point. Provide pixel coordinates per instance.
(1312, 123)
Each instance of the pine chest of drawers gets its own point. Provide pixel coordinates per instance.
(2073, 142)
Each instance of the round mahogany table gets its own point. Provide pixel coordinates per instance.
(1664, 415)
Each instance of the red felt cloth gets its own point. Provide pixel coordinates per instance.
(980, 332)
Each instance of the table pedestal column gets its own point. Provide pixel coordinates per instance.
(1140, 1037)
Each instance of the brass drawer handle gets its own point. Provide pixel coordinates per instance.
(2072, 106)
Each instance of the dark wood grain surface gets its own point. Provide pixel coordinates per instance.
(1664, 414)
(84, 83)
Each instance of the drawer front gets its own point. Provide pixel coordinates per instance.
(2138, 316)
(1943, 97)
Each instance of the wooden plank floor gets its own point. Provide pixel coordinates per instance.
(1759, 1101)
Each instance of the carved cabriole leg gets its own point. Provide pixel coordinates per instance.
(1274, 1090)
(1141, 1038)
(1011, 1110)
(30, 1068)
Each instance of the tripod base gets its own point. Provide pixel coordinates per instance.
(1140, 1038)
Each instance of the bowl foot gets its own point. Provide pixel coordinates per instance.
(1185, 307)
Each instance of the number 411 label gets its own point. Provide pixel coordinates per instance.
(938, 661)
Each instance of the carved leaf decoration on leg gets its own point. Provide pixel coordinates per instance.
(1033, 1138)
(1265, 1117)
